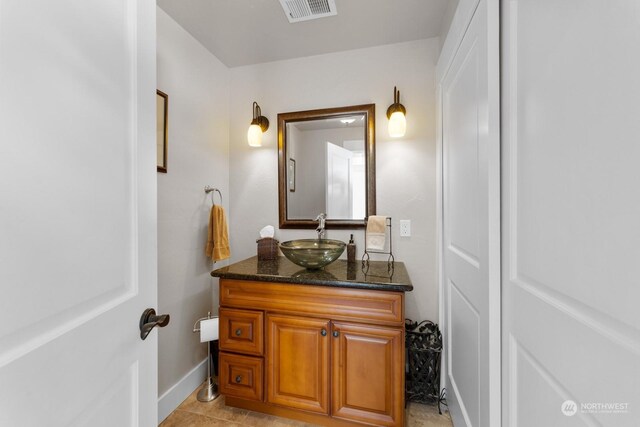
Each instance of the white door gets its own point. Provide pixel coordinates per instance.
(77, 213)
(357, 174)
(338, 191)
(471, 219)
(571, 212)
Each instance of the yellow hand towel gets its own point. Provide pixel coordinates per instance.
(217, 235)
(376, 232)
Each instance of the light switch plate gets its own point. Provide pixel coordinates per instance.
(405, 228)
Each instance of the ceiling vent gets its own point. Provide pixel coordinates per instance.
(304, 10)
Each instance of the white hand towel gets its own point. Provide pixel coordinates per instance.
(376, 232)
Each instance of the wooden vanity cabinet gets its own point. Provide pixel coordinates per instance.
(332, 356)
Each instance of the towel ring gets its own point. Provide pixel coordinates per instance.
(209, 189)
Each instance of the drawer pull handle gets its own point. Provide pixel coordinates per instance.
(238, 332)
(238, 378)
(323, 332)
(336, 334)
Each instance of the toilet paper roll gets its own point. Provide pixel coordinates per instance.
(209, 330)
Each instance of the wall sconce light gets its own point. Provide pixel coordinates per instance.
(259, 124)
(396, 114)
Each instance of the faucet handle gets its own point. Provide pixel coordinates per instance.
(321, 216)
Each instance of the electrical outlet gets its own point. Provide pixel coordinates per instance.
(405, 228)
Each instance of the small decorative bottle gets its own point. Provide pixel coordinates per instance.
(351, 250)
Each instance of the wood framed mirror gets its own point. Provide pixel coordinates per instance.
(326, 164)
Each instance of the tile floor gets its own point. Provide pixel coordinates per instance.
(192, 413)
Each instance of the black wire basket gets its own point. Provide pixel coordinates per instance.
(422, 369)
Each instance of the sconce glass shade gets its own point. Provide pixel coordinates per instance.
(396, 113)
(397, 124)
(259, 124)
(254, 135)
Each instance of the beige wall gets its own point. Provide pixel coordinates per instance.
(406, 184)
(198, 88)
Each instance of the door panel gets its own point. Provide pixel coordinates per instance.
(120, 394)
(77, 122)
(339, 192)
(464, 359)
(471, 223)
(368, 374)
(298, 362)
(570, 172)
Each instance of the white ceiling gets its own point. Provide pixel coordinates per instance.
(243, 32)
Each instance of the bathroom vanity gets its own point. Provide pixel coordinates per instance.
(322, 346)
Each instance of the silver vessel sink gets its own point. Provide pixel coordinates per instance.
(312, 253)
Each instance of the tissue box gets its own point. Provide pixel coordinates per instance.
(267, 249)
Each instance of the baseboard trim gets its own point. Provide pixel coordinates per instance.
(173, 397)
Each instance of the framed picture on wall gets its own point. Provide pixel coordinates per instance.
(162, 108)
(292, 175)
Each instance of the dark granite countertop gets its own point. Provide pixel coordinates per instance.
(339, 273)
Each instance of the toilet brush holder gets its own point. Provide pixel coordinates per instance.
(209, 390)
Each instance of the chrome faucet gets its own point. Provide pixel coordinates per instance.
(320, 230)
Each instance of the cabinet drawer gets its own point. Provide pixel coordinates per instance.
(241, 376)
(242, 331)
(360, 305)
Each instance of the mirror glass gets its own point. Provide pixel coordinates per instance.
(327, 166)
(162, 99)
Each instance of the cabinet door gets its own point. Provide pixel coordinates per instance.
(298, 363)
(368, 374)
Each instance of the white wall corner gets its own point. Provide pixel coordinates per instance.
(452, 39)
(172, 398)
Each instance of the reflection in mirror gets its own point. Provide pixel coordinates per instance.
(329, 163)
(162, 99)
(329, 156)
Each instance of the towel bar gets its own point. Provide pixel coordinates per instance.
(365, 255)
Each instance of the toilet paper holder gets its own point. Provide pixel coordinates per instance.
(209, 390)
(196, 326)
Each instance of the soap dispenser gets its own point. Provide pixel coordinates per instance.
(351, 250)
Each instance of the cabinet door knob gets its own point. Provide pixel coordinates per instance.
(238, 332)
(336, 334)
(239, 378)
(323, 332)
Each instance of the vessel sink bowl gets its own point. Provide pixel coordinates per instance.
(312, 253)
